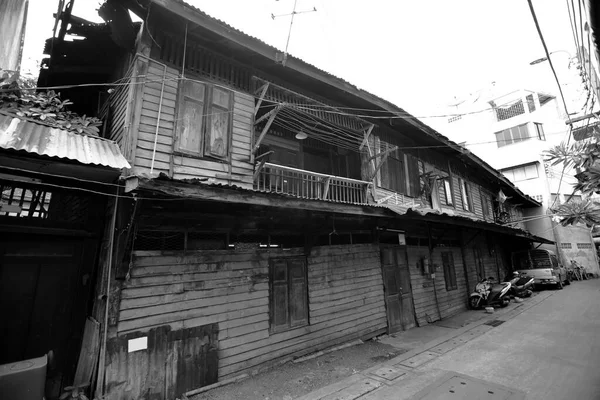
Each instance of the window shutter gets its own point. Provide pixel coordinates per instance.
(298, 295)
(190, 128)
(485, 206)
(218, 129)
(279, 294)
(449, 271)
(412, 169)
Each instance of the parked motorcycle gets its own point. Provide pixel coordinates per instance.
(490, 294)
(521, 284)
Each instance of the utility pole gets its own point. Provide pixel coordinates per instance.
(292, 15)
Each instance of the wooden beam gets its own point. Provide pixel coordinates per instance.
(366, 139)
(385, 156)
(263, 91)
(248, 197)
(266, 128)
(386, 152)
(326, 187)
(258, 169)
(267, 115)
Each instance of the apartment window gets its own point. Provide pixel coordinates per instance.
(288, 303)
(530, 103)
(479, 263)
(204, 121)
(448, 192)
(512, 135)
(584, 246)
(539, 128)
(449, 270)
(466, 195)
(510, 111)
(522, 172)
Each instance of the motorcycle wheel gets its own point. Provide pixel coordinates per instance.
(504, 302)
(559, 285)
(475, 302)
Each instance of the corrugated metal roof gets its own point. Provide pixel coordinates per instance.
(44, 140)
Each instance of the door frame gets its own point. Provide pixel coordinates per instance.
(404, 250)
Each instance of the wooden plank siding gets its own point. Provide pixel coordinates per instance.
(237, 169)
(449, 302)
(231, 288)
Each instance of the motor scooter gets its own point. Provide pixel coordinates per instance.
(490, 294)
(521, 284)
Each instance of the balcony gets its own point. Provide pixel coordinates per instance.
(310, 185)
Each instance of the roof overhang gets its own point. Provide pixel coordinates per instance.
(434, 216)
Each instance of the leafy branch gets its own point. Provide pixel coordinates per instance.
(48, 107)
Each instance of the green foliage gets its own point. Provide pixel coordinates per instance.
(584, 156)
(578, 212)
(43, 106)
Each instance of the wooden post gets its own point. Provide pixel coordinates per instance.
(263, 91)
(464, 257)
(258, 169)
(366, 139)
(326, 187)
(272, 113)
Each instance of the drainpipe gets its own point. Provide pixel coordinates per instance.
(111, 246)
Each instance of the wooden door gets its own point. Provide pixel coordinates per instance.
(39, 285)
(397, 289)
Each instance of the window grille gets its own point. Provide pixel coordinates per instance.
(584, 246)
(566, 246)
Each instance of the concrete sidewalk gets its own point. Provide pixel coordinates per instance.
(425, 344)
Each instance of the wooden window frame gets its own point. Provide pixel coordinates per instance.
(208, 109)
(448, 195)
(289, 284)
(466, 194)
(449, 270)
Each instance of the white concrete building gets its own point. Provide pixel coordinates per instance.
(510, 130)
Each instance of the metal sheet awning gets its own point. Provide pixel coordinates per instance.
(44, 140)
(432, 215)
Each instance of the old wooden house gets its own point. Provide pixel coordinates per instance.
(273, 210)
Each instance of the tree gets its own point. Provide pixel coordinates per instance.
(584, 157)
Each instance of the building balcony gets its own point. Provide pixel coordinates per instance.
(310, 185)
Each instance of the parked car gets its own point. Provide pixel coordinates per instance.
(543, 265)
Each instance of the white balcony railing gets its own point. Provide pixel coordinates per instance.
(310, 185)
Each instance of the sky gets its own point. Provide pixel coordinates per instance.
(416, 54)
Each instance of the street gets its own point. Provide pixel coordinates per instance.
(550, 351)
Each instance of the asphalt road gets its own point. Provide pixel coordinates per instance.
(550, 351)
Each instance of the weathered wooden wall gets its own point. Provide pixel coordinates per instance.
(431, 306)
(231, 289)
(237, 170)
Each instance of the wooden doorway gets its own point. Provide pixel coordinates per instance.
(45, 283)
(397, 289)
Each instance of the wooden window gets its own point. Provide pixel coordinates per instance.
(485, 206)
(465, 190)
(204, 120)
(412, 176)
(449, 271)
(448, 192)
(288, 303)
(479, 263)
(395, 174)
